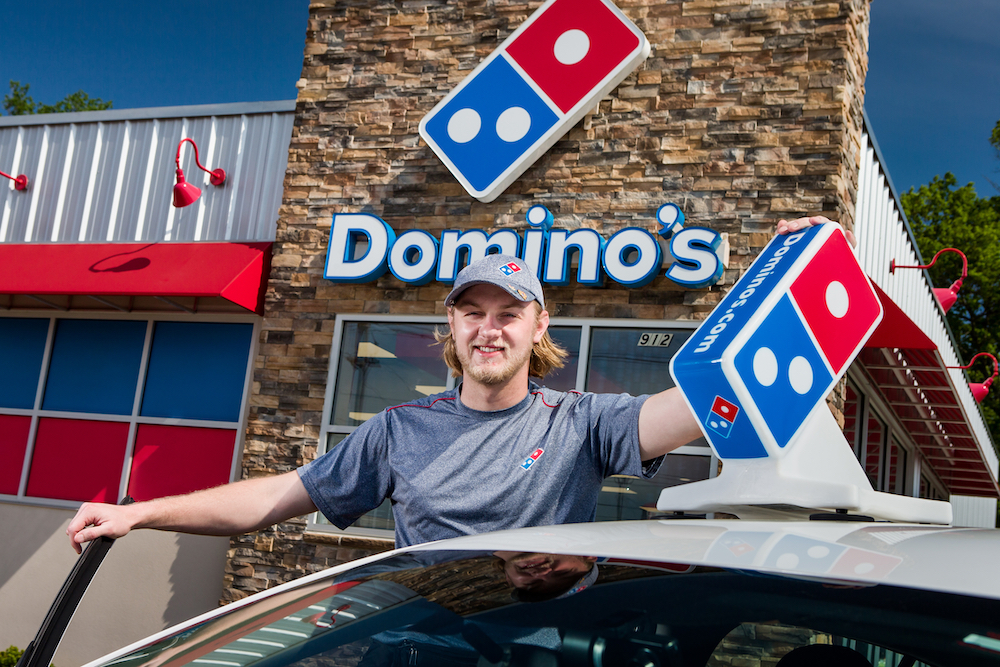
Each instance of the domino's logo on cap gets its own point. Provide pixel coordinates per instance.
(509, 269)
(530, 91)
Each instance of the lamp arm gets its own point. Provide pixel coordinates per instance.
(965, 264)
(996, 365)
(196, 160)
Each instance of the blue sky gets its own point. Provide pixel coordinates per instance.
(933, 89)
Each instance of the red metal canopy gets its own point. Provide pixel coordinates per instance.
(910, 374)
(236, 272)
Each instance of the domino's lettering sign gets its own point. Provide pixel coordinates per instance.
(363, 247)
(777, 344)
(530, 91)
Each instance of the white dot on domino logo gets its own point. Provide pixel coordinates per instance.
(800, 375)
(838, 301)
(464, 125)
(571, 47)
(782, 370)
(765, 366)
(513, 124)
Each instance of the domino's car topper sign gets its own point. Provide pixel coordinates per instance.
(756, 375)
(362, 247)
(531, 90)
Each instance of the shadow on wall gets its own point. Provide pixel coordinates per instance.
(199, 566)
(26, 539)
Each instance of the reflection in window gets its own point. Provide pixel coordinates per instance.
(635, 361)
(382, 365)
(564, 379)
(895, 469)
(874, 442)
(626, 498)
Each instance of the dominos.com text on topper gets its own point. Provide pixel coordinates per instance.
(531, 90)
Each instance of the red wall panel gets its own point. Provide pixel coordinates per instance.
(170, 460)
(13, 443)
(76, 459)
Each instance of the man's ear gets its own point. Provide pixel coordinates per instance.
(541, 325)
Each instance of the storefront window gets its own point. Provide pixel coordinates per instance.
(636, 361)
(381, 363)
(565, 378)
(874, 443)
(144, 407)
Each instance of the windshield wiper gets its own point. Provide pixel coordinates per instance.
(41, 649)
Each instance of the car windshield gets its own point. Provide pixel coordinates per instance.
(461, 608)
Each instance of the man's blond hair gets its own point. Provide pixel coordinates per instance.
(546, 354)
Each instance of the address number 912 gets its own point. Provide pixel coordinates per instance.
(655, 339)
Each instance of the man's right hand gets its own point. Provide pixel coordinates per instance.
(95, 520)
(230, 509)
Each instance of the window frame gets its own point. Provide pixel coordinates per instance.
(870, 402)
(315, 521)
(134, 419)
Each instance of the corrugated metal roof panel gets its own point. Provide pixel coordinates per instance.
(108, 176)
(884, 234)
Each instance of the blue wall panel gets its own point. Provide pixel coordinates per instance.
(22, 345)
(197, 370)
(95, 366)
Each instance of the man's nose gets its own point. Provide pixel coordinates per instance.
(491, 325)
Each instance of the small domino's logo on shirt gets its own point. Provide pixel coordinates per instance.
(535, 455)
(509, 269)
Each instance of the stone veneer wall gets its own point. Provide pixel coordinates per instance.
(745, 112)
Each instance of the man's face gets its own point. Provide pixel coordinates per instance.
(494, 333)
(543, 572)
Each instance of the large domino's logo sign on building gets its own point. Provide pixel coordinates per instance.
(363, 247)
(531, 90)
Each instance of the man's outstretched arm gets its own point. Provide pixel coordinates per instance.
(230, 509)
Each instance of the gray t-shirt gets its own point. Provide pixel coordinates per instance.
(450, 470)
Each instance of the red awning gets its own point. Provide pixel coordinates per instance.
(236, 272)
(896, 329)
(910, 374)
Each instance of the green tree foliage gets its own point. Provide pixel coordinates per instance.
(19, 103)
(10, 657)
(943, 215)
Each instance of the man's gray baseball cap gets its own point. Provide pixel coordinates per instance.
(505, 271)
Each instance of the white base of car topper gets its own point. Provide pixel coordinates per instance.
(756, 375)
(820, 472)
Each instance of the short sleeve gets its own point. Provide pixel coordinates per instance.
(353, 477)
(614, 430)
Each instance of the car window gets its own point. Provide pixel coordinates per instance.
(542, 609)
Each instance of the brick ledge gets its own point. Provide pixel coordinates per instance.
(351, 541)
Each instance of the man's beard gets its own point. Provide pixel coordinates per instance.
(494, 374)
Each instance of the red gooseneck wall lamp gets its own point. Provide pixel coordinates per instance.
(20, 182)
(981, 389)
(945, 296)
(186, 193)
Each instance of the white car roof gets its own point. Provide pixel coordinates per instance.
(948, 559)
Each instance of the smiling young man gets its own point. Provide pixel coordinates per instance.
(496, 452)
